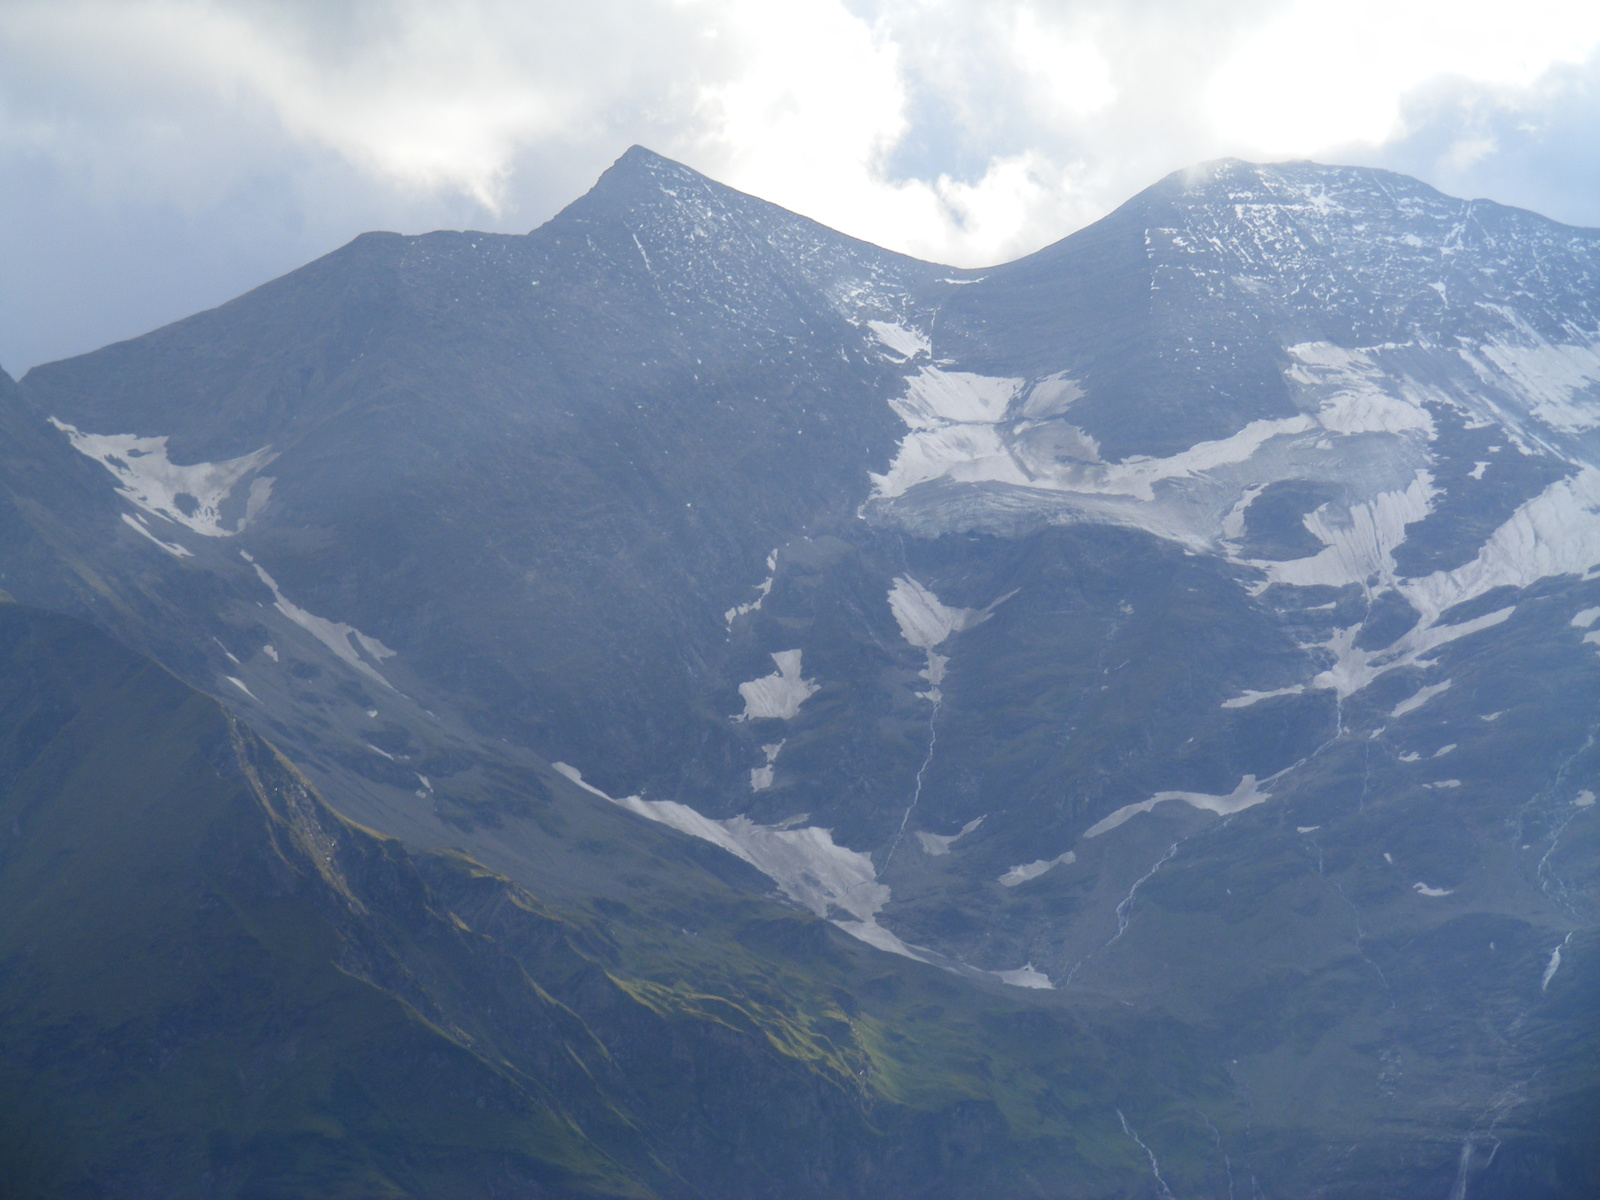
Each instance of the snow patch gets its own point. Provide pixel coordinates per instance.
(763, 589)
(936, 398)
(761, 777)
(925, 622)
(239, 683)
(1033, 870)
(1246, 795)
(833, 881)
(1423, 889)
(1584, 799)
(346, 641)
(1026, 976)
(148, 479)
(172, 548)
(1555, 533)
(270, 651)
(1253, 697)
(1051, 397)
(1421, 697)
(1553, 965)
(1551, 378)
(1443, 784)
(1361, 544)
(1353, 396)
(1586, 618)
(935, 844)
(779, 695)
(1354, 668)
(907, 343)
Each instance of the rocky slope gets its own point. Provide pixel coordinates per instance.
(212, 984)
(1193, 615)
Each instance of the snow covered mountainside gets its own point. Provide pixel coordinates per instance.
(1198, 615)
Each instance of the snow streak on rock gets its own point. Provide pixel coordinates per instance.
(806, 864)
(346, 641)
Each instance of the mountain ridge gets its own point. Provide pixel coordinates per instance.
(1209, 587)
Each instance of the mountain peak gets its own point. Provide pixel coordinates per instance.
(641, 176)
(639, 160)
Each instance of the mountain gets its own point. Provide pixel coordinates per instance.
(1192, 619)
(213, 984)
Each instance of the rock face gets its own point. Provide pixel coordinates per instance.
(1193, 617)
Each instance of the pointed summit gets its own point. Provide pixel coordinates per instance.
(712, 248)
(639, 175)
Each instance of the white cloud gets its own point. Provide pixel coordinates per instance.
(426, 95)
(1317, 74)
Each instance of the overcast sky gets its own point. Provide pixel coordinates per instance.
(160, 156)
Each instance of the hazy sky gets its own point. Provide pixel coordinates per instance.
(160, 156)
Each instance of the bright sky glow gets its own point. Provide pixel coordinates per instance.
(1318, 75)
